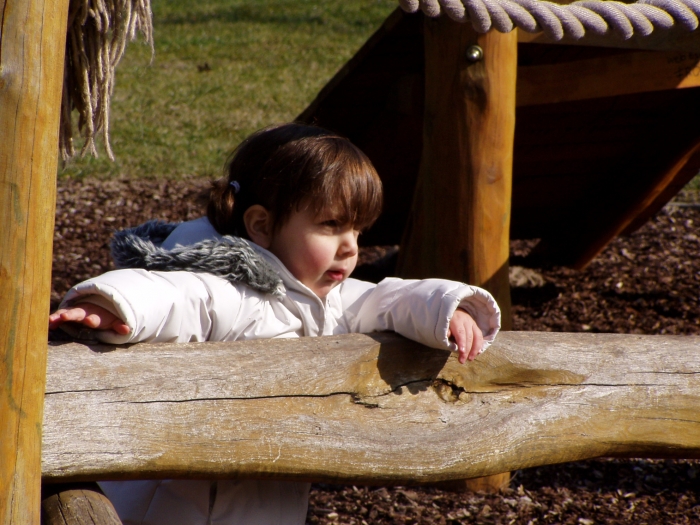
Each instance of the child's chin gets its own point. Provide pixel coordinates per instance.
(323, 291)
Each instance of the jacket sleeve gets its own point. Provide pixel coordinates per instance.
(162, 306)
(419, 309)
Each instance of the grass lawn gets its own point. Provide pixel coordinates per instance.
(222, 69)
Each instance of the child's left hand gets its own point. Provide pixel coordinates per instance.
(467, 334)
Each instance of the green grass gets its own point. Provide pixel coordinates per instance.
(222, 69)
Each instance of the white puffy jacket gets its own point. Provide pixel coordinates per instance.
(185, 306)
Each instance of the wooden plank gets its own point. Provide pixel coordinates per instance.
(676, 39)
(619, 74)
(32, 48)
(366, 409)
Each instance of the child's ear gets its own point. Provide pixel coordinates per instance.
(258, 224)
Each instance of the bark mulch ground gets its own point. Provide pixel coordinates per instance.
(647, 283)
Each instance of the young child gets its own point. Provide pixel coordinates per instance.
(271, 259)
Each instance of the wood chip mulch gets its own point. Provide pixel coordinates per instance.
(648, 283)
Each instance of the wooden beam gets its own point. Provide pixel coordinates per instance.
(32, 45)
(619, 74)
(366, 409)
(627, 218)
(676, 39)
(669, 185)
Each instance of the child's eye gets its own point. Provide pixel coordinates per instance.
(331, 223)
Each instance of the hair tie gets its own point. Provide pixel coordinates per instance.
(236, 187)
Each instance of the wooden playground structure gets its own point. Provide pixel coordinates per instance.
(434, 103)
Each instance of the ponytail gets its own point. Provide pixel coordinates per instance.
(220, 209)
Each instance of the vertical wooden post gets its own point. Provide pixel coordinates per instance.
(32, 48)
(76, 504)
(460, 220)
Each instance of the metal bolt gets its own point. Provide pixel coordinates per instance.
(475, 53)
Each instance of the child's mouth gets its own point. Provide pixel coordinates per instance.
(335, 275)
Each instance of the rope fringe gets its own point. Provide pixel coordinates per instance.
(571, 21)
(98, 31)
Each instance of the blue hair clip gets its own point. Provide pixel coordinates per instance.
(236, 187)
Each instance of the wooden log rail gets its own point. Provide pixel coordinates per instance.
(374, 409)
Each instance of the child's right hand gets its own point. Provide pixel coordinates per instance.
(90, 315)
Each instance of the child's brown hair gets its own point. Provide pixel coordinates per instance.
(292, 167)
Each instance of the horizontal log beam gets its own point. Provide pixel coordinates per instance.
(366, 409)
(621, 74)
(678, 39)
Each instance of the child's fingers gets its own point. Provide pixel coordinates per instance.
(477, 343)
(92, 321)
(120, 327)
(54, 319)
(467, 336)
(72, 315)
(91, 316)
(463, 339)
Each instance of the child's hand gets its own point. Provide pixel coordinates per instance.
(467, 334)
(90, 315)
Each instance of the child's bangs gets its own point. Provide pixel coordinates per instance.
(351, 189)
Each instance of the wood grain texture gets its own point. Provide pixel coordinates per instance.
(619, 74)
(77, 504)
(31, 78)
(366, 409)
(459, 224)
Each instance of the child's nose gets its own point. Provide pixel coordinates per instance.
(348, 246)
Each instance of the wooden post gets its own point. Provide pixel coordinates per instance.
(32, 47)
(76, 504)
(460, 221)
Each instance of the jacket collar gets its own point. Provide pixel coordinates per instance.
(232, 258)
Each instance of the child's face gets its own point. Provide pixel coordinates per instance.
(319, 251)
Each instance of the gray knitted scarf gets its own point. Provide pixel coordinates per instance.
(231, 258)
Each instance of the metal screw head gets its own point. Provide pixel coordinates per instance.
(474, 53)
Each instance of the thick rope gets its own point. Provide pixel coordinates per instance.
(565, 21)
(98, 31)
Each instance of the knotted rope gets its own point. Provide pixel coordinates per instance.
(98, 31)
(559, 21)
